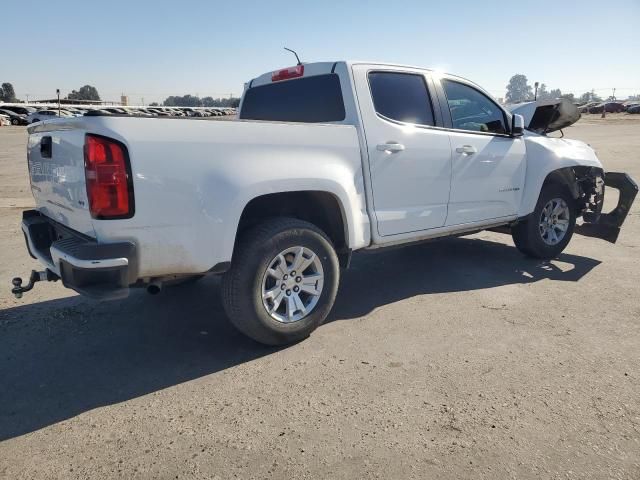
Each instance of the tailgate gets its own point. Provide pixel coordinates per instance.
(56, 169)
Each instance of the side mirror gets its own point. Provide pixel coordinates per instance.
(517, 125)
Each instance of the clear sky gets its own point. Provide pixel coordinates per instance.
(154, 49)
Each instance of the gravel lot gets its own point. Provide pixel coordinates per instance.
(452, 359)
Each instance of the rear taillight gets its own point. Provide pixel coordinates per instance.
(286, 73)
(108, 174)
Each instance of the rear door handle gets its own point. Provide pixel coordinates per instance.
(467, 149)
(390, 147)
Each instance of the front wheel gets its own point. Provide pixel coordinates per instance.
(283, 281)
(548, 230)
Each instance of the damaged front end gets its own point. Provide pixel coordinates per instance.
(592, 188)
(586, 179)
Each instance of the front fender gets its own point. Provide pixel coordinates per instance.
(546, 155)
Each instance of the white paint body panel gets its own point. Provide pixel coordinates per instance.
(410, 187)
(486, 184)
(192, 178)
(58, 183)
(546, 154)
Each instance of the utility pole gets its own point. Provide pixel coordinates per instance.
(613, 97)
(27, 95)
(535, 95)
(58, 93)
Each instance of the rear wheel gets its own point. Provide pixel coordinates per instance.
(15, 121)
(282, 283)
(548, 230)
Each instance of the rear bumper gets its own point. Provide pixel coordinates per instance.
(102, 271)
(607, 225)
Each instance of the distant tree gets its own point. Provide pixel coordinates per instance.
(7, 94)
(209, 102)
(634, 97)
(518, 90)
(184, 101)
(87, 92)
(587, 97)
(154, 104)
(555, 93)
(191, 101)
(568, 96)
(543, 93)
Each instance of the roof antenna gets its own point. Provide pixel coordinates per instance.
(293, 51)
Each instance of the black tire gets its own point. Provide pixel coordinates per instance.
(242, 284)
(15, 121)
(526, 234)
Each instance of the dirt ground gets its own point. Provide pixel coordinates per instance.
(453, 359)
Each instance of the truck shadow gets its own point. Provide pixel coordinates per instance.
(440, 266)
(63, 357)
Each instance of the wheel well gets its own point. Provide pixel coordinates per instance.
(579, 181)
(320, 208)
(564, 177)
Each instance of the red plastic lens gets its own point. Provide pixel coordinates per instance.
(286, 73)
(107, 172)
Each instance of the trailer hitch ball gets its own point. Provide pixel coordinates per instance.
(17, 287)
(35, 276)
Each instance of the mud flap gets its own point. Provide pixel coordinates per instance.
(607, 225)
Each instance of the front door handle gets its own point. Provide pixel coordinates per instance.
(467, 149)
(390, 147)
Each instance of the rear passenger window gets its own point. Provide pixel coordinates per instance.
(402, 97)
(472, 110)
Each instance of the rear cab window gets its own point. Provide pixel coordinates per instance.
(402, 97)
(313, 99)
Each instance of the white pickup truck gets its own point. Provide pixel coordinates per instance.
(324, 160)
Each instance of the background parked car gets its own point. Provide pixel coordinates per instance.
(14, 118)
(19, 110)
(633, 109)
(609, 107)
(116, 111)
(585, 108)
(41, 115)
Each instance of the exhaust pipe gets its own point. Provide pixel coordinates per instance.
(154, 288)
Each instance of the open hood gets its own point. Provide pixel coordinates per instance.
(544, 116)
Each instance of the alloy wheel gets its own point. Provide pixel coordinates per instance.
(292, 284)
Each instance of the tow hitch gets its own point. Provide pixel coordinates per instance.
(18, 289)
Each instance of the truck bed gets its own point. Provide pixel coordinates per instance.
(191, 180)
